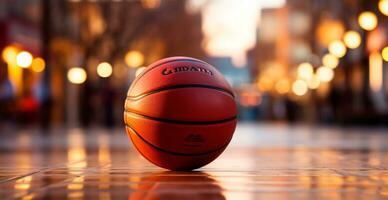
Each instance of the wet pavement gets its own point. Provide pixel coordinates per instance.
(269, 161)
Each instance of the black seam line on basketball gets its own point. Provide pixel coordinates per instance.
(140, 96)
(172, 152)
(153, 67)
(129, 112)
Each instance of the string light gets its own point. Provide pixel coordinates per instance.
(383, 7)
(76, 75)
(384, 54)
(325, 74)
(337, 48)
(299, 88)
(305, 71)
(352, 39)
(313, 82)
(104, 69)
(367, 20)
(330, 60)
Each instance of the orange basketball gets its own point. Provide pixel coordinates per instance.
(180, 113)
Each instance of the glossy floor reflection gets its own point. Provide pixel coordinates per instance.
(264, 161)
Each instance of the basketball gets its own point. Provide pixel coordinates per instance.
(180, 113)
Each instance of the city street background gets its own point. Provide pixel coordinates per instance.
(70, 63)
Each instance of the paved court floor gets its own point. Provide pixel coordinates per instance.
(264, 161)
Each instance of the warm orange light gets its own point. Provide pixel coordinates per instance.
(76, 75)
(282, 86)
(299, 88)
(383, 7)
(352, 39)
(384, 53)
(265, 84)
(313, 82)
(151, 4)
(23, 183)
(250, 98)
(104, 156)
(38, 64)
(104, 69)
(330, 60)
(337, 48)
(134, 58)
(9, 54)
(325, 74)
(15, 73)
(367, 20)
(375, 71)
(305, 71)
(329, 30)
(24, 59)
(76, 152)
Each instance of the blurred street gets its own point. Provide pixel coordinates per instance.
(272, 161)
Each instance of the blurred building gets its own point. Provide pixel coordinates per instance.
(302, 32)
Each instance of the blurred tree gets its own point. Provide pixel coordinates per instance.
(86, 33)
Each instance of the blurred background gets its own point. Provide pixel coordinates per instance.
(69, 63)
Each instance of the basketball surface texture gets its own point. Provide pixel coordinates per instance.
(180, 113)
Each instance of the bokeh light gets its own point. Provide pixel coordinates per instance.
(9, 54)
(375, 71)
(24, 59)
(383, 7)
(150, 4)
(367, 20)
(134, 58)
(104, 69)
(352, 39)
(337, 48)
(313, 82)
(384, 53)
(38, 64)
(325, 74)
(76, 75)
(328, 30)
(282, 86)
(139, 70)
(250, 98)
(265, 84)
(299, 88)
(305, 71)
(330, 60)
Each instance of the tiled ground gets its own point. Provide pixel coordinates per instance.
(264, 161)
